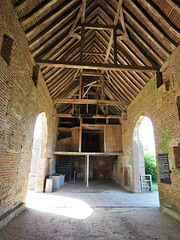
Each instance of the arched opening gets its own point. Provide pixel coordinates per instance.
(143, 149)
(38, 159)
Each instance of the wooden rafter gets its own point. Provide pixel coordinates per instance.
(148, 34)
(51, 16)
(150, 50)
(83, 11)
(160, 16)
(152, 23)
(53, 26)
(37, 11)
(21, 5)
(124, 42)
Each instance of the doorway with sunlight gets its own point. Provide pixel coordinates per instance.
(37, 167)
(144, 154)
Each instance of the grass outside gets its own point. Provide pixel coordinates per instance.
(155, 186)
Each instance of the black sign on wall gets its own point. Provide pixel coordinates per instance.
(164, 168)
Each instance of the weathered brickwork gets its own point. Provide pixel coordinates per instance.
(20, 104)
(160, 105)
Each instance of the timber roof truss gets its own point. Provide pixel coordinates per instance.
(98, 54)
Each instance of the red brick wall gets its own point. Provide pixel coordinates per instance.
(20, 104)
(160, 106)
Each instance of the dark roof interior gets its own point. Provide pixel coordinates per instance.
(108, 48)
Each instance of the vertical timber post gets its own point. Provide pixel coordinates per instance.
(105, 138)
(80, 135)
(87, 172)
(85, 168)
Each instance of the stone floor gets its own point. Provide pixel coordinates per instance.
(106, 194)
(98, 212)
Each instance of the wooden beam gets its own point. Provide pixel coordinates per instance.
(49, 30)
(70, 51)
(102, 87)
(94, 53)
(148, 48)
(93, 126)
(37, 11)
(21, 5)
(75, 35)
(50, 17)
(152, 7)
(121, 18)
(109, 47)
(86, 91)
(151, 23)
(113, 35)
(148, 34)
(82, 44)
(80, 135)
(90, 84)
(90, 101)
(125, 55)
(173, 4)
(105, 138)
(68, 115)
(90, 73)
(75, 22)
(98, 26)
(83, 11)
(139, 61)
(87, 153)
(80, 85)
(99, 66)
(115, 45)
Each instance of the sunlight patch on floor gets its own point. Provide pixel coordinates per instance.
(65, 206)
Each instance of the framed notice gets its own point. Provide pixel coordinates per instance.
(164, 168)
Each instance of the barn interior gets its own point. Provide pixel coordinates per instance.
(90, 71)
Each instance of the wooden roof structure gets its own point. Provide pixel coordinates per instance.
(96, 56)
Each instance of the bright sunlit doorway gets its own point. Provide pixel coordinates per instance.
(37, 167)
(144, 152)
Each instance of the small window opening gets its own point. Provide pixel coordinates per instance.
(6, 49)
(159, 79)
(178, 106)
(35, 74)
(177, 156)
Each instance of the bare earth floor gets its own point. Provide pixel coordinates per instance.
(65, 214)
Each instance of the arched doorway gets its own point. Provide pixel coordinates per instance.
(38, 159)
(143, 142)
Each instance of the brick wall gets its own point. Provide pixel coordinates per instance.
(20, 104)
(160, 105)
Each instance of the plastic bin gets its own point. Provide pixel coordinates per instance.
(62, 177)
(56, 181)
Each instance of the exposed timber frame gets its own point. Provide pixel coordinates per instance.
(99, 66)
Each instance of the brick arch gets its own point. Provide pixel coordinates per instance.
(138, 155)
(38, 159)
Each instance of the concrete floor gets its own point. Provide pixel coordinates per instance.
(102, 211)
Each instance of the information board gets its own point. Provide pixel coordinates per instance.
(164, 168)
